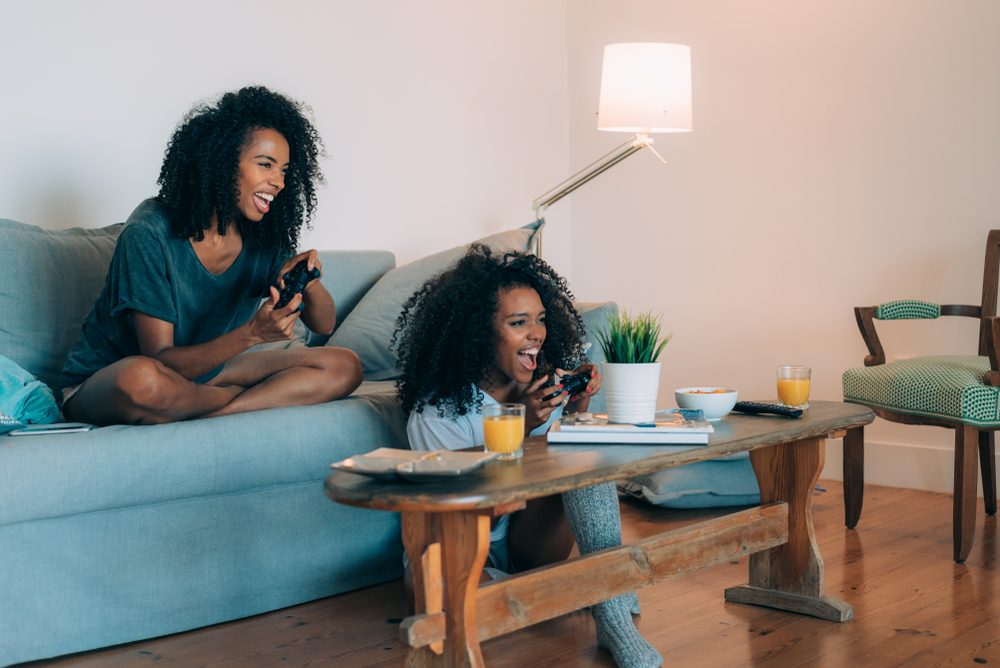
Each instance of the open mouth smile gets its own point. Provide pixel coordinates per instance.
(528, 358)
(263, 201)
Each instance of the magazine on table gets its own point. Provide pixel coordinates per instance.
(669, 426)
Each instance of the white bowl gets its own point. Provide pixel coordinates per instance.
(715, 402)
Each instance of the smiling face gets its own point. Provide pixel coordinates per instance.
(519, 323)
(263, 164)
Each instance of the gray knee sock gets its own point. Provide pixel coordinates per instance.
(594, 517)
(632, 602)
(601, 503)
(617, 634)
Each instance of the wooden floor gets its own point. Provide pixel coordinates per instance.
(913, 606)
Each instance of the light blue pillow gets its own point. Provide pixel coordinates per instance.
(595, 318)
(716, 482)
(368, 329)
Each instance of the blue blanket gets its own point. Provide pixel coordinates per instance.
(23, 398)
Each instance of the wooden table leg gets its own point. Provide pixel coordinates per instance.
(790, 576)
(459, 543)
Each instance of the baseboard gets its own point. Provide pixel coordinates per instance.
(899, 465)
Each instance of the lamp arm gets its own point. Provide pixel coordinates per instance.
(599, 166)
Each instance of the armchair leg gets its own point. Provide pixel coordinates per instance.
(854, 475)
(966, 486)
(988, 466)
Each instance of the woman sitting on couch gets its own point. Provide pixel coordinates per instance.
(168, 336)
(493, 330)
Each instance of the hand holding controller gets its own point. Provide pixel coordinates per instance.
(295, 282)
(571, 384)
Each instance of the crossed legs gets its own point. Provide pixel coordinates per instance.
(142, 390)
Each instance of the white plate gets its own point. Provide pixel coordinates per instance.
(391, 463)
(447, 465)
(374, 466)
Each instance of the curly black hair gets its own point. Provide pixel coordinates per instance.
(200, 169)
(445, 337)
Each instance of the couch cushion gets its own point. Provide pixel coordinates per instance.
(949, 387)
(368, 329)
(122, 466)
(52, 278)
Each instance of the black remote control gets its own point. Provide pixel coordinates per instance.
(760, 407)
(573, 384)
(295, 282)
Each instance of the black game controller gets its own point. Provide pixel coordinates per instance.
(571, 384)
(295, 282)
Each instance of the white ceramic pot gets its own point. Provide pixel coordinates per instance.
(630, 391)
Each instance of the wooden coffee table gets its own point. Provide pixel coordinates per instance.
(446, 529)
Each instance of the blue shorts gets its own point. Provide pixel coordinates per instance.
(499, 554)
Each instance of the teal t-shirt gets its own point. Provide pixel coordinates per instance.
(155, 272)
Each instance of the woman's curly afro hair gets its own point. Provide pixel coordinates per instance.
(200, 170)
(445, 337)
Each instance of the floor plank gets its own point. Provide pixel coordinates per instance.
(913, 607)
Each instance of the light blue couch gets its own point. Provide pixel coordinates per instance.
(125, 533)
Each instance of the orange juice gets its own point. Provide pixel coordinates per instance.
(793, 391)
(503, 433)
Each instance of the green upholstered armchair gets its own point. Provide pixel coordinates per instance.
(956, 392)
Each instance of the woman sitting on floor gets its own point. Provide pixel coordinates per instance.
(494, 329)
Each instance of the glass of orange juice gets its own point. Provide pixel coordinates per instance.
(793, 386)
(503, 429)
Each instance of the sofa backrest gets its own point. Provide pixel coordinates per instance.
(348, 275)
(52, 277)
(50, 281)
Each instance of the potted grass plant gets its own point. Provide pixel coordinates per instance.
(632, 347)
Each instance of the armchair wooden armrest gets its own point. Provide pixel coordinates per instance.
(867, 315)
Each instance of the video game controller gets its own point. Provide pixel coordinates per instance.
(295, 282)
(571, 384)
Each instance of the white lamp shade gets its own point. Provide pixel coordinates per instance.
(645, 87)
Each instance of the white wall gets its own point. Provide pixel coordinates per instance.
(443, 119)
(843, 154)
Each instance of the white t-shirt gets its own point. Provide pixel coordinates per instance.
(428, 430)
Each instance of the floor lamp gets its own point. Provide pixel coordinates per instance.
(645, 88)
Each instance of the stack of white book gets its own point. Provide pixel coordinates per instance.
(669, 427)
